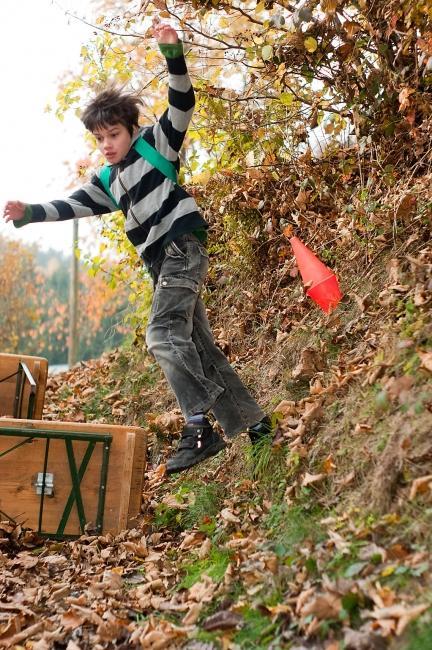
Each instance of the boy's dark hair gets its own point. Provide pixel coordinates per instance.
(112, 107)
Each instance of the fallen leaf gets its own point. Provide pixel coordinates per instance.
(362, 427)
(286, 408)
(229, 516)
(276, 610)
(403, 614)
(193, 614)
(329, 465)
(398, 388)
(24, 560)
(191, 540)
(426, 360)
(311, 362)
(313, 411)
(323, 606)
(312, 478)
(358, 640)
(205, 548)
(225, 620)
(420, 486)
(203, 591)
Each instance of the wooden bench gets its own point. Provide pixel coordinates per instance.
(63, 479)
(22, 385)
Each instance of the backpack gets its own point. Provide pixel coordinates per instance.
(149, 153)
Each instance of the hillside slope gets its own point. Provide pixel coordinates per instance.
(323, 540)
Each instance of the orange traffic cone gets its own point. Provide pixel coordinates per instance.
(322, 282)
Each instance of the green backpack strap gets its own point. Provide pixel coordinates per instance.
(104, 177)
(149, 153)
(155, 158)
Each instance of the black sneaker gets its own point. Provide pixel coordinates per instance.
(197, 443)
(262, 430)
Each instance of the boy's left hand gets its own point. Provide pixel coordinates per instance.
(163, 33)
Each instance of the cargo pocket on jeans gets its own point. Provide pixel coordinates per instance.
(179, 282)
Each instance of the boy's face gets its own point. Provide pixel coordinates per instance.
(114, 141)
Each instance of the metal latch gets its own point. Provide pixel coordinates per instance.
(49, 484)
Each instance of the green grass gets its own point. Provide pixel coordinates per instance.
(211, 638)
(288, 526)
(420, 637)
(268, 468)
(257, 632)
(97, 406)
(64, 392)
(203, 504)
(214, 566)
(207, 504)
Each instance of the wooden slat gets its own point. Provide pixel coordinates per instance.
(125, 491)
(38, 366)
(19, 468)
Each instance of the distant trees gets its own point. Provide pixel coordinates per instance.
(34, 305)
(18, 281)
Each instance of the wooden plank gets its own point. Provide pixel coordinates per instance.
(127, 474)
(19, 468)
(137, 481)
(38, 366)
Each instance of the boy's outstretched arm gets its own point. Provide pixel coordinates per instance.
(169, 132)
(88, 201)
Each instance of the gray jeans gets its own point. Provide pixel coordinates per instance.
(180, 339)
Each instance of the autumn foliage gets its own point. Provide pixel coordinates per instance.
(34, 309)
(307, 116)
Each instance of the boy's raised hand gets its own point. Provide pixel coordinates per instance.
(164, 33)
(14, 211)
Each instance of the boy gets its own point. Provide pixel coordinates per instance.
(163, 222)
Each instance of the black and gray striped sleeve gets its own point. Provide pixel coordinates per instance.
(169, 132)
(89, 200)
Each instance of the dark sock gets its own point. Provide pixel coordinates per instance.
(198, 418)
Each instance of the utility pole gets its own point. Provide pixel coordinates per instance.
(73, 300)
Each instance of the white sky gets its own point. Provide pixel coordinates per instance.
(38, 43)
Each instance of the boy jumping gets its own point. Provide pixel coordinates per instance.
(164, 224)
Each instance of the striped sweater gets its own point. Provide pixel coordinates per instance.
(156, 210)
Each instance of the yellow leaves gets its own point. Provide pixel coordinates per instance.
(310, 44)
(151, 56)
(202, 178)
(267, 53)
(224, 23)
(286, 98)
(388, 570)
